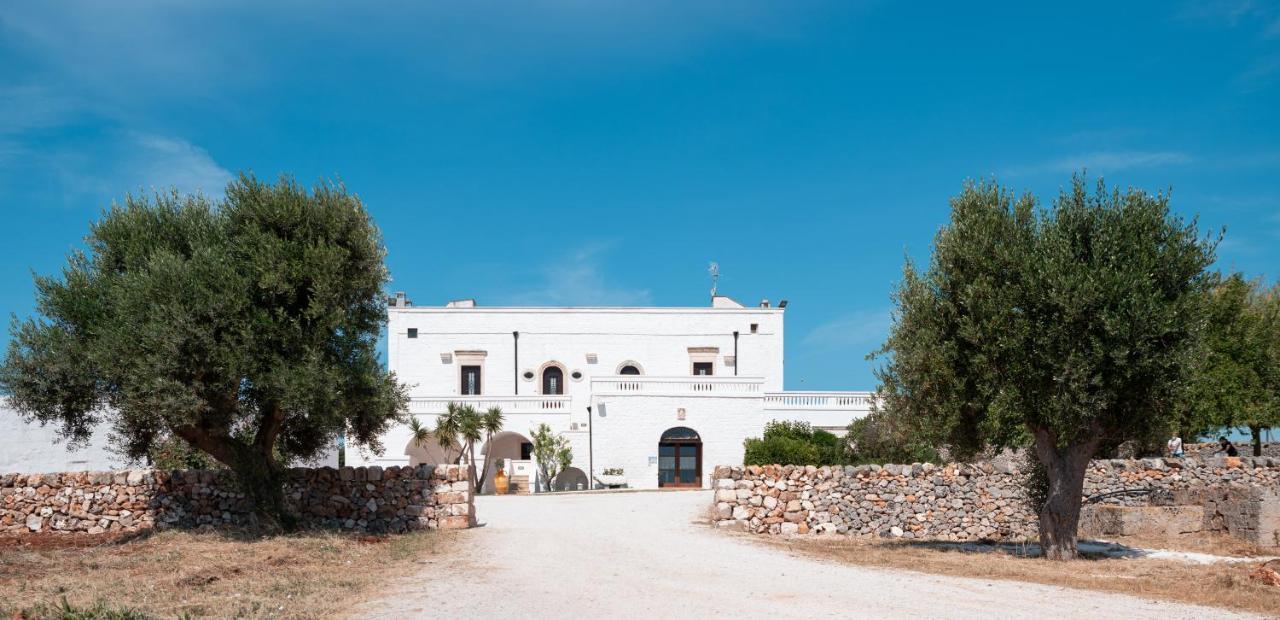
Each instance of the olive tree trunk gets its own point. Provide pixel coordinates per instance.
(257, 472)
(1060, 514)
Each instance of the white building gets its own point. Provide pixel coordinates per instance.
(663, 394)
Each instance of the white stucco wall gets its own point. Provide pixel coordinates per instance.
(31, 448)
(657, 339)
(626, 421)
(627, 433)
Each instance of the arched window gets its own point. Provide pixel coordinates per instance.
(553, 380)
(629, 370)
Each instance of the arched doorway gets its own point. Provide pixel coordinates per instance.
(572, 479)
(629, 370)
(513, 452)
(430, 452)
(680, 458)
(552, 380)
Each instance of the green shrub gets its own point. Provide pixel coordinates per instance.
(881, 437)
(794, 443)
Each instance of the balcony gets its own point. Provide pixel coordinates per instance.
(820, 401)
(431, 405)
(646, 385)
(831, 411)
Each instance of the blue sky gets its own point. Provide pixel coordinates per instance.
(573, 152)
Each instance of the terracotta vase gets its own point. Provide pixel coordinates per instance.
(500, 483)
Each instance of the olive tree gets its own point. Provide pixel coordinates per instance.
(245, 328)
(552, 453)
(1235, 379)
(1069, 327)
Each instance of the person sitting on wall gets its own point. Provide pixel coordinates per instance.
(1227, 446)
(1175, 447)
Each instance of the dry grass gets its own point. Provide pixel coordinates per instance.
(210, 574)
(1217, 585)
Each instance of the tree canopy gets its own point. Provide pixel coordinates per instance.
(1071, 326)
(1235, 379)
(245, 327)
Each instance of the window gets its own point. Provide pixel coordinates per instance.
(471, 380)
(755, 327)
(577, 375)
(629, 370)
(413, 332)
(526, 451)
(702, 368)
(553, 380)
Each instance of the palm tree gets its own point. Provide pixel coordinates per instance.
(490, 424)
(463, 425)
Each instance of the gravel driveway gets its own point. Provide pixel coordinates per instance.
(648, 554)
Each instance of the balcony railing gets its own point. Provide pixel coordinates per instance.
(508, 404)
(628, 385)
(820, 401)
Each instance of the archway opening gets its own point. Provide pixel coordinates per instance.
(430, 452)
(629, 370)
(572, 479)
(680, 458)
(513, 453)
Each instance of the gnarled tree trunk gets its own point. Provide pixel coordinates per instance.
(260, 477)
(1060, 514)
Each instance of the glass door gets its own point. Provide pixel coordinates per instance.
(679, 464)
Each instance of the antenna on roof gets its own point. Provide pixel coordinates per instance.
(714, 270)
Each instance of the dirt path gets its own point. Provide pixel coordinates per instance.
(629, 555)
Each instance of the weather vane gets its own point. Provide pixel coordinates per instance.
(714, 270)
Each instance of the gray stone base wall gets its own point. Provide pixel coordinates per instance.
(370, 499)
(965, 502)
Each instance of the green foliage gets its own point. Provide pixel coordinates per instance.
(885, 437)
(1035, 483)
(64, 610)
(1235, 379)
(247, 328)
(176, 453)
(794, 443)
(552, 453)
(1074, 325)
(463, 425)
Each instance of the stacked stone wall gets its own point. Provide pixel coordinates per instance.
(371, 499)
(974, 501)
(1211, 450)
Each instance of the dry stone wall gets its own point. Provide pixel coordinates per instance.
(372, 499)
(959, 501)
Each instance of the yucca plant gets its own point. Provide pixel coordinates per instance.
(462, 425)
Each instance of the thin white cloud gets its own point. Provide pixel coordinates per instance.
(1102, 162)
(164, 162)
(862, 329)
(96, 172)
(579, 280)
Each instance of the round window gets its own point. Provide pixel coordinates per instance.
(577, 374)
(528, 375)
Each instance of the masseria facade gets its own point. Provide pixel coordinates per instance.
(663, 394)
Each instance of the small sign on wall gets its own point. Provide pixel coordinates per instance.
(680, 413)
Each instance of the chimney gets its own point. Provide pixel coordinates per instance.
(764, 303)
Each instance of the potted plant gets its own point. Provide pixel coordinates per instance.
(500, 483)
(612, 477)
